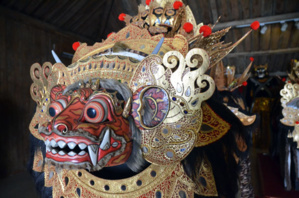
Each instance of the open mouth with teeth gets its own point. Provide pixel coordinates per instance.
(81, 151)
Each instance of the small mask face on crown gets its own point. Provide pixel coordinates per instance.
(261, 71)
(157, 18)
(87, 129)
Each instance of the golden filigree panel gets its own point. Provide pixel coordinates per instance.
(213, 127)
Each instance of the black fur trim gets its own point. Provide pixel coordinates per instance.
(39, 178)
(220, 154)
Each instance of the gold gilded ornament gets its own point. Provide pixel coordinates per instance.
(245, 119)
(169, 181)
(38, 163)
(213, 127)
(206, 176)
(184, 80)
(39, 91)
(288, 101)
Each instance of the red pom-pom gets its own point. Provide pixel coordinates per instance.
(244, 83)
(177, 5)
(109, 34)
(255, 25)
(251, 59)
(188, 27)
(297, 122)
(283, 79)
(148, 2)
(206, 30)
(121, 17)
(75, 45)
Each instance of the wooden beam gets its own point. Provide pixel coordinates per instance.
(247, 22)
(263, 53)
(6, 12)
(277, 74)
(214, 10)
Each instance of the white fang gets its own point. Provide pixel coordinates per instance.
(106, 140)
(93, 153)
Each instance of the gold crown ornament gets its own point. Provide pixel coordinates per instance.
(289, 99)
(290, 111)
(157, 66)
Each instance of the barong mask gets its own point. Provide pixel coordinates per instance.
(87, 129)
(138, 95)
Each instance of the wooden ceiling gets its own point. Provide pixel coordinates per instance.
(93, 20)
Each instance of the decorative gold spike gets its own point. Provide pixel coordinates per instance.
(223, 51)
(216, 22)
(244, 77)
(127, 108)
(225, 79)
(95, 85)
(230, 75)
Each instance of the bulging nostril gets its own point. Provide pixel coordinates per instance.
(62, 128)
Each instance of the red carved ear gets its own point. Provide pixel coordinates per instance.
(57, 91)
(150, 106)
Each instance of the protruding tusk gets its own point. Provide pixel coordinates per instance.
(56, 57)
(106, 140)
(93, 153)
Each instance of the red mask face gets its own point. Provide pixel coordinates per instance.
(87, 129)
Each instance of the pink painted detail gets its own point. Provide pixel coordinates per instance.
(158, 101)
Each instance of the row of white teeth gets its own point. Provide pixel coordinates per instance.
(51, 146)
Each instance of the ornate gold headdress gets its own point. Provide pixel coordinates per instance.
(161, 50)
